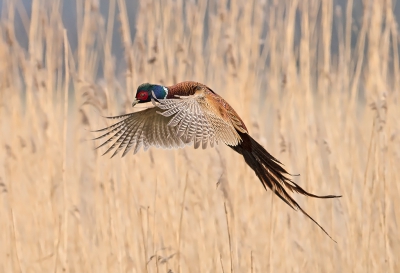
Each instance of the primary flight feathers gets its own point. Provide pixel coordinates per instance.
(191, 113)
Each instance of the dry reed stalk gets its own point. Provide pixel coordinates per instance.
(64, 164)
(229, 237)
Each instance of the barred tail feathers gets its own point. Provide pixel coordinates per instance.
(272, 175)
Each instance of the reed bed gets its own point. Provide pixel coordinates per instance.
(331, 116)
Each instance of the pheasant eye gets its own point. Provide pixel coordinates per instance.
(142, 95)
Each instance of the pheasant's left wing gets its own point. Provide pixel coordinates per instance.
(140, 129)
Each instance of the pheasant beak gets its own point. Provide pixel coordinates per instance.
(135, 101)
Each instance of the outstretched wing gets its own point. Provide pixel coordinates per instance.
(145, 128)
(171, 123)
(195, 119)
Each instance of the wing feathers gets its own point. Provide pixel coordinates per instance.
(140, 129)
(171, 123)
(195, 119)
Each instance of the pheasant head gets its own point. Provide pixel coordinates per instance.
(145, 93)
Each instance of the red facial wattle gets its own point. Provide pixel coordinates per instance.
(142, 95)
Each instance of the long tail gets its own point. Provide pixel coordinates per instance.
(272, 175)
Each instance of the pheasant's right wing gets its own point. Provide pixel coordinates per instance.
(197, 120)
(145, 128)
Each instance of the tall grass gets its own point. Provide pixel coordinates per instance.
(333, 118)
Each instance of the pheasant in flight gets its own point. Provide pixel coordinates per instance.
(190, 112)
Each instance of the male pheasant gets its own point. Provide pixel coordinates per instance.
(190, 112)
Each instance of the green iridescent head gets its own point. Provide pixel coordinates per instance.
(145, 92)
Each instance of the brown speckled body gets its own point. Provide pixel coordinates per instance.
(184, 89)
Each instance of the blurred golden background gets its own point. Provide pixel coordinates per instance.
(315, 84)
